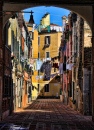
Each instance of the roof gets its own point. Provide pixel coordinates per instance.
(52, 24)
(45, 15)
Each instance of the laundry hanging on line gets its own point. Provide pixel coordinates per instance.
(46, 69)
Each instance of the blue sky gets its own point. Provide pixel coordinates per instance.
(55, 14)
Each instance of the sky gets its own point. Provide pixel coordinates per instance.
(55, 14)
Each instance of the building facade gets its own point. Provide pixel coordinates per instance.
(76, 64)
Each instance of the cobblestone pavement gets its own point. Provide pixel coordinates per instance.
(47, 114)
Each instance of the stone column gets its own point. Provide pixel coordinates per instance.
(93, 64)
(86, 91)
(1, 58)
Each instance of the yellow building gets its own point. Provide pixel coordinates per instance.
(33, 59)
(49, 44)
(41, 87)
(35, 71)
(48, 48)
(45, 46)
(14, 40)
(45, 20)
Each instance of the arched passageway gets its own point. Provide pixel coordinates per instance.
(79, 9)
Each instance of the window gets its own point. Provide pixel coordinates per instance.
(1, 53)
(46, 88)
(47, 54)
(38, 87)
(7, 86)
(38, 55)
(38, 40)
(32, 72)
(32, 52)
(47, 40)
(32, 35)
(38, 73)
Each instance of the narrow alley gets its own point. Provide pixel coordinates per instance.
(47, 114)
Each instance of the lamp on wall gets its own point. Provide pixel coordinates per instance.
(77, 88)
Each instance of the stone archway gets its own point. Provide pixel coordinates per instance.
(84, 11)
